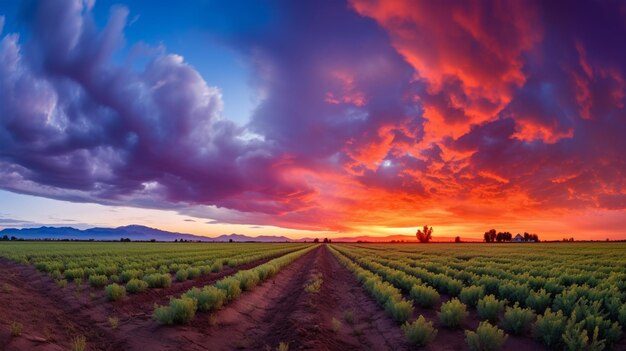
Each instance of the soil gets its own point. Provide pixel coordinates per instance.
(338, 316)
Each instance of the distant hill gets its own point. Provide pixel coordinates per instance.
(143, 233)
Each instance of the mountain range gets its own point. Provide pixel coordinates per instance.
(143, 233)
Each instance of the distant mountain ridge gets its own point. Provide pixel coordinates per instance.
(142, 233)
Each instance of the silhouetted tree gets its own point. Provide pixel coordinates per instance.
(457, 239)
(424, 235)
(152, 240)
(326, 240)
(13, 238)
(230, 240)
(490, 236)
(316, 240)
(5, 238)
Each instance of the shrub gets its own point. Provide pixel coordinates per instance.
(314, 284)
(182, 275)
(349, 317)
(72, 274)
(114, 322)
(453, 287)
(136, 286)
(16, 328)
(517, 320)
(158, 280)
(622, 316)
(471, 294)
(539, 300)
(127, 275)
(98, 281)
(486, 338)
(231, 286)
(216, 267)
(336, 325)
(489, 308)
(194, 273)
(452, 313)
(79, 343)
(550, 327)
(247, 279)
(179, 311)
(424, 296)
(114, 292)
(62, 283)
(400, 310)
(208, 299)
(576, 337)
(420, 332)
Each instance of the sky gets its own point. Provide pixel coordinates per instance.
(304, 118)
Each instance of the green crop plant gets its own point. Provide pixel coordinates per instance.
(487, 337)
(420, 332)
(452, 313)
(489, 308)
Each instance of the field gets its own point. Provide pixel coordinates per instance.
(210, 296)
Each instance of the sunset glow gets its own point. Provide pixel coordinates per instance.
(315, 118)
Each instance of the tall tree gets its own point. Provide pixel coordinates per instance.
(424, 235)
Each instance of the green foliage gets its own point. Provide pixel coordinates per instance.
(72, 274)
(550, 327)
(577, 338)
(420, 332)
(622, 316)
(114, 322)
(452, 313)
(336, 323)
(179, 311)
(79, 343)
(247, 279)
(158, 280)
(486, 338)
(489, 308)
(98, 281)
(314, 284)
(114, 292)
(127, 275)
(400, 310)
(424, 296)
(208, 298)
(517, 320)
(193, 273)
(15, 328)
(539, 300)
(471, 294)
(135, 286)
(453, 287)
(182, 275)
(231, 287)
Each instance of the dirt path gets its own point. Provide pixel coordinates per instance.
(281, 310)
(340, 316)
(51, 317)
(48, 322)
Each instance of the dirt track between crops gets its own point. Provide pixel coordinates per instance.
(277, 311)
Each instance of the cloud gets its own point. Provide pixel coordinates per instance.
(370, 113)
(96, 131)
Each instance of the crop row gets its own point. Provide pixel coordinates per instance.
(212, 297)
(139, 265)
(564, 313)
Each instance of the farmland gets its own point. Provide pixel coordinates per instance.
(198, 296)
